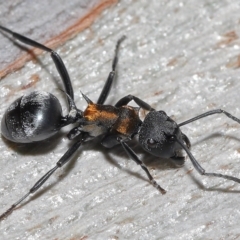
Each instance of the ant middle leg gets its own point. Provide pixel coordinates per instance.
(107, 87)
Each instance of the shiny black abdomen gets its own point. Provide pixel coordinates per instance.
(32, 117)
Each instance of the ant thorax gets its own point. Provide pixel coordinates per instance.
(99, 119)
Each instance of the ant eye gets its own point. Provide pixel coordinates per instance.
(151, 142)
(171, 138)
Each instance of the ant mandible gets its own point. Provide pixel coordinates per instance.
(38, 116)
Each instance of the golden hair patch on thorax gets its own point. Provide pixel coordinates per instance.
(100, 113)
(128, 120)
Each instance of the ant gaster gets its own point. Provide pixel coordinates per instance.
(38, 116)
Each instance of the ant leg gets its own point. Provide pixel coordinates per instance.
(135, 158)
(202, 171)
(179, 160)
(125, 100)
(74, 113)
(63, 160)
(61, 68)
(186, 140)
(106, 89)
(216, 111)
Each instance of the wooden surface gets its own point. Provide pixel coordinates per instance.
(49, 22)
(182, 58)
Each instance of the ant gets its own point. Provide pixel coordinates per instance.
(38, 116)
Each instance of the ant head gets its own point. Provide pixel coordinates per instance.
(158, 135)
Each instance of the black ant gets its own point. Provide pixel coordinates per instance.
(38, 116)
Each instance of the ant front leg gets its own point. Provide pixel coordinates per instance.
(135, 158)
(195, 163)
(201, 170)
(179, 160)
